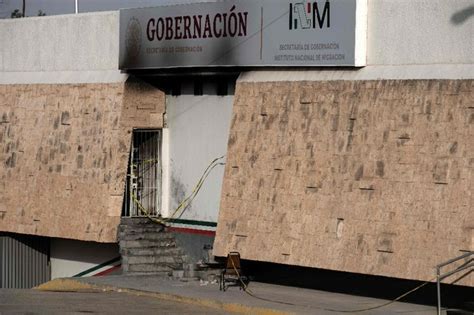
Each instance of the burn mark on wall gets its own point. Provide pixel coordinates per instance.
(311, 189)
(5, 119)
(234, 170)
(385, 242)
(403, 139)
(440, 171)
(350, 136)
(231, 226)
(10, 133)
(107, 178)
(79, 161)
(361, 244)
(232, 140)
(63, 148)
(351, 125)
(253, 158)
(122, 147)
(427, 108)
(471, 119)
(65, 118)
(335, 123)
(104, 161)
(52, 154)
(178, 190)
(238, 239)
(269, 121)
(359, 173)
(405, 118)
(67, 134)
(380, 170)
(453, 148)
(11, 160)
(56, 123)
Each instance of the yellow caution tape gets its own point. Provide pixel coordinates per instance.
(186, 201)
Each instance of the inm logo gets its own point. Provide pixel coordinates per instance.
(309, 15)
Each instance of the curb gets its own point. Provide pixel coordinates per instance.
(69, 285)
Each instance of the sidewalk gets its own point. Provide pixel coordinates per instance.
(305, 301)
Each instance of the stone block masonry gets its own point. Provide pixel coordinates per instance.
(63, 154)
(372, 177)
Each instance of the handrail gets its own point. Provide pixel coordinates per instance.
(455, 259)
(440, 276)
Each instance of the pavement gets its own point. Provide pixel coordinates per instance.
(205, 296)
(36, 302)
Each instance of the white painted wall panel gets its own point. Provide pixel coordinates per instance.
(60, 43)
(411, 32)
(2, 48)
(198, 133)
(400, 32)
(70, 257)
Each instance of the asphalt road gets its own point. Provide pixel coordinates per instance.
(13, 301)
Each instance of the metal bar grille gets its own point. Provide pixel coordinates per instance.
(144, 174)
(24, 261)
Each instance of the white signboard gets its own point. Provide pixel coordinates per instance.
(245, 33)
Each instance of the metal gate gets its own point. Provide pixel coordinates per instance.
(24, 261)
(144, 174)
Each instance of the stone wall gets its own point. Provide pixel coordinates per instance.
(64, 152)
(371, 177)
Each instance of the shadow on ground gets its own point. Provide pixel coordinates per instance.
(357, 284)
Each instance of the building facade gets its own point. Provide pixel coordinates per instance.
(358, 169)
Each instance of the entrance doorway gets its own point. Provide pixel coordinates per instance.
(143, 187)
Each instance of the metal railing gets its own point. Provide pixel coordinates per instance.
(469, 263)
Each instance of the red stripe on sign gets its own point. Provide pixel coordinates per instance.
(309, 7)
(107, 271)
(192, 231)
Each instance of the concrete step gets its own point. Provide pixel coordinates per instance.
(151, 226)
(141, 223)
(147, 244)
(146, 248)
(157, 260)
(174, 263)
(165, 274)
(155, 268)
(141, 232)
(140, 229)
(170, 251)
(137, 220)
(123, 236)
